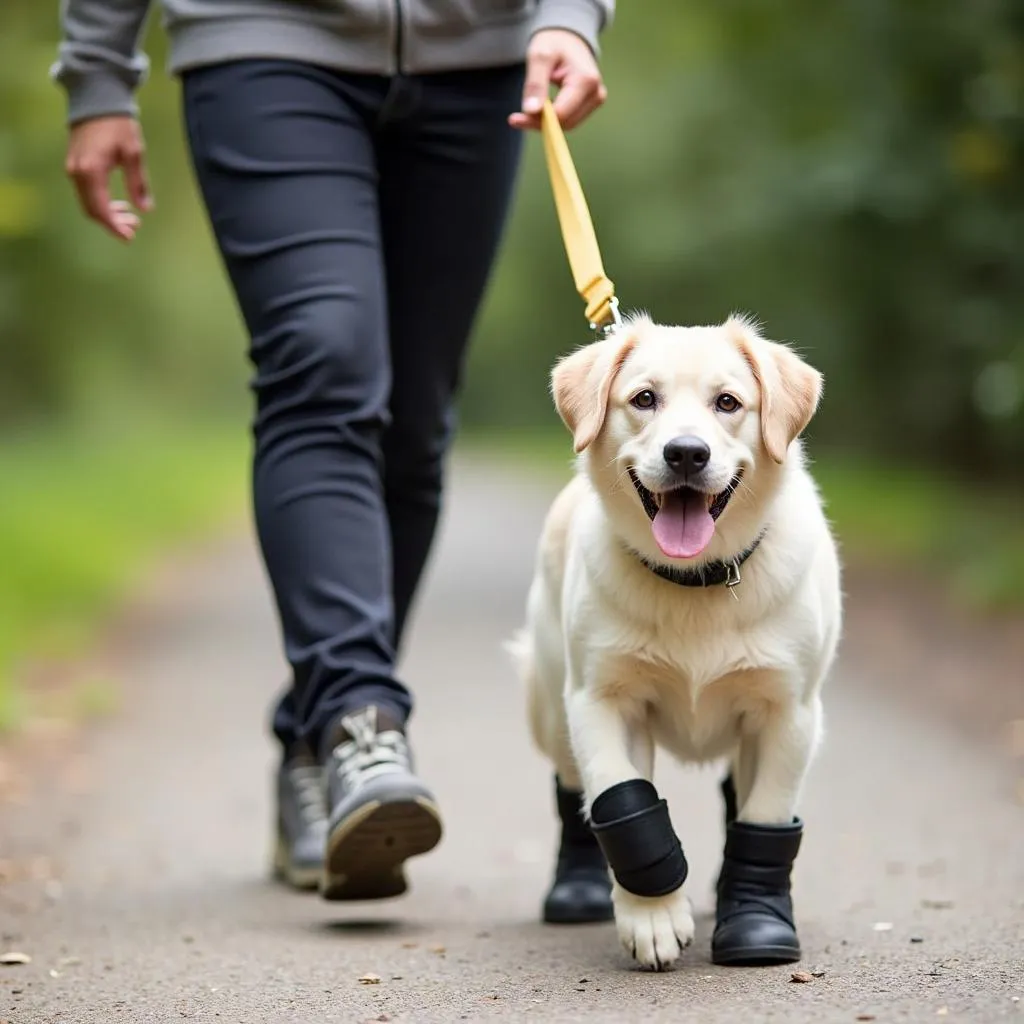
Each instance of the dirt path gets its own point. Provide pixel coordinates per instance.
(149, 900)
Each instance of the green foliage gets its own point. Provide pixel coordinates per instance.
(82, 516)
(850, 173)
(87, 323)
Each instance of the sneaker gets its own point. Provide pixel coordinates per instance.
(380, 812)
(301, 821)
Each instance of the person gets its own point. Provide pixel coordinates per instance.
(356, 161)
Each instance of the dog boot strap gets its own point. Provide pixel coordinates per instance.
(635, 832)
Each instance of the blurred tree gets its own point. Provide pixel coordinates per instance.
(88, 327)
(850, 173)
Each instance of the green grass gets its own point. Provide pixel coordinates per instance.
(81, 517)
(969, 540)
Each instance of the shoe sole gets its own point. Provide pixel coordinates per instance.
(579, 917)
(366, 851)
(305, 879)
(759, 956)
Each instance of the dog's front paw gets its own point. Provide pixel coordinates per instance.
(654, 929)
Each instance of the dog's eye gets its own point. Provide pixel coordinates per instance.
(726, 402)
(645, 399)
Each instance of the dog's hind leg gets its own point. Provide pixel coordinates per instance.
(580, 892)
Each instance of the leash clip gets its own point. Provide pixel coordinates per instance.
(616, 321)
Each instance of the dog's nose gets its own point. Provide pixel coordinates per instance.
(688, 455)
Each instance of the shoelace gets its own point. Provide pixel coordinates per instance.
(369, 753)
(309, 791)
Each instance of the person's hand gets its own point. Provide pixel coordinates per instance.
(98, 147)
(559, 57)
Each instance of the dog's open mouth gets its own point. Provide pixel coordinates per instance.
(683, 519)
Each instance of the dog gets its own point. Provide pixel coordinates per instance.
(686, 595)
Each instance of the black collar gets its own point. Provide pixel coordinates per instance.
(710, 574)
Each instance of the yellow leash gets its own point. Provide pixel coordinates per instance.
(593, 284)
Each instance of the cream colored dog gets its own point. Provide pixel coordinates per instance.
(689, 461)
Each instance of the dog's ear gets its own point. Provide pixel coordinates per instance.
(790, 388)
(581, 383)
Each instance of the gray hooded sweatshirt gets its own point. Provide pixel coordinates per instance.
(100, 64)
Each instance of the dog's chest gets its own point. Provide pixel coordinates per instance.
(701, 692)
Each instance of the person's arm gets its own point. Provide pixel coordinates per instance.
(587, 18)
(563, 51)
(100, 66)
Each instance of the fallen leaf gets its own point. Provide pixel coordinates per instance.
(409, 945)
(12, 957)
(883, 926)
(370, 979)
(800, 977)
(865, 1016)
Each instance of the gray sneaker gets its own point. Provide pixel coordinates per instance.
(301, 821)
(380, 812)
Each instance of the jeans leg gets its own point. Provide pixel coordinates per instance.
(447, 174)
(285, 160)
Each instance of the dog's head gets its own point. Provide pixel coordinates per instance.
(688, 415)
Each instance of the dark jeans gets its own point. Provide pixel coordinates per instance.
(358, 218)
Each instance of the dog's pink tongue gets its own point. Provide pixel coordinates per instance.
(683, 526)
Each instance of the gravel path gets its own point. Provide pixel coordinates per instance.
(137, 881)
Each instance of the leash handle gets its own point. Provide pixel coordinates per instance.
(595, 287)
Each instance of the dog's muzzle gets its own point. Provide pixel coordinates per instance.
(652, 505)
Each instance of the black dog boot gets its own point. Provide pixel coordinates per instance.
(728, 788)
(581, 891)
(754, 915)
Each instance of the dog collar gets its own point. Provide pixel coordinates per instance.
(710, 574)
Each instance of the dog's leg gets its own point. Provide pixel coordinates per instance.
(580, 891)
(652, 913)
(754, 914)
(742, 773)
(774, 764)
